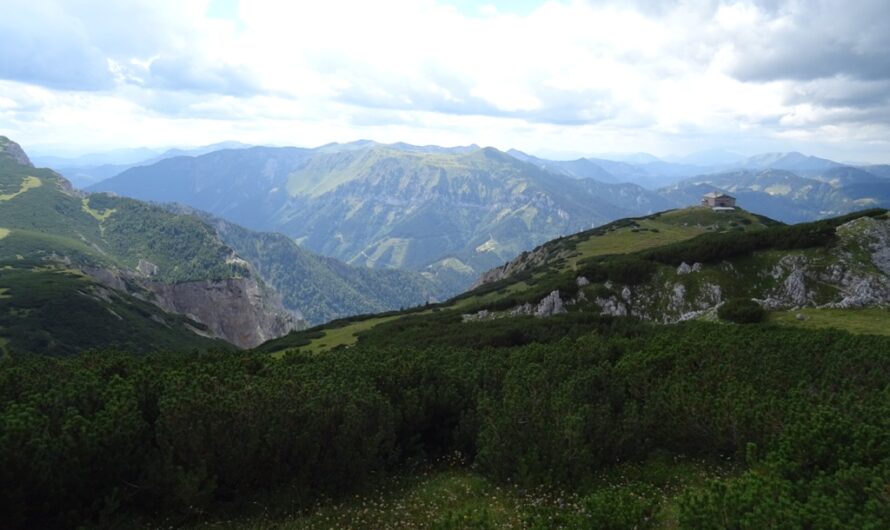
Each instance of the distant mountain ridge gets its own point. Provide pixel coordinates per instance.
(85, 170)
(449, 212)
(156, 277)
(453, 212)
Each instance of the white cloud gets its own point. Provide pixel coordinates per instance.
(573, 77)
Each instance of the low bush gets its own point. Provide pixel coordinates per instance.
(741, 311)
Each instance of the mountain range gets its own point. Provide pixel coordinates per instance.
(84, 270)
(668, 267)
(85, 170)
(452, 213)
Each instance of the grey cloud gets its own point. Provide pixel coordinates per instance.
(821, 39)
(841, 92)
(183, 73)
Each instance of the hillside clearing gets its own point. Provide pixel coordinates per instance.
(336, 337)
(96, 214)
(872, 320)
(632, 239)
(27, 184)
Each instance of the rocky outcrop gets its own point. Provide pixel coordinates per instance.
(852, 271)
(146, 268)
(241, 310)
(14, 151)
(685, 268)
(550, 305)
(524, 262)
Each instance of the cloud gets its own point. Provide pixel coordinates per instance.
(44, 46)
(559, 75)
(816, 39)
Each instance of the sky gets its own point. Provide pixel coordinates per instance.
(553, 78)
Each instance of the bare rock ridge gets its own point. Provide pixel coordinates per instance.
(14, 151)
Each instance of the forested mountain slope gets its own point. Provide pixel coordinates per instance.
(322, 288)
(140, 255)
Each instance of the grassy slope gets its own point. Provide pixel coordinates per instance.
(873, 320)
(619, 237)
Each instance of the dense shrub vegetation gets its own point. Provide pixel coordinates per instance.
(102, 436)
(741, 311)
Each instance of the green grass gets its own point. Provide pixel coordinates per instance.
(873, 321)
(451, 499)
(627, 240)
(28, 183)
(337, 337)
(472, 301)
(96, 214)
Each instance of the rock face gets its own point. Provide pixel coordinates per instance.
(550, 305)
(238, 310)
(14, 151)
(685, 268)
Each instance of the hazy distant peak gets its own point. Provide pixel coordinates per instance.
(792, 161)
(709, 157)
(631, 158)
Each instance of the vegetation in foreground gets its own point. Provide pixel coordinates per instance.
(60, 311)
(450, 496)
(802, 417)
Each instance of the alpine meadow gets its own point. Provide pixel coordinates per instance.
(438, 264)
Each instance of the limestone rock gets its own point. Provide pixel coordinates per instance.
(146, 268)
(14, 151)
(685, 268)
(550, 305)
(612, 307)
